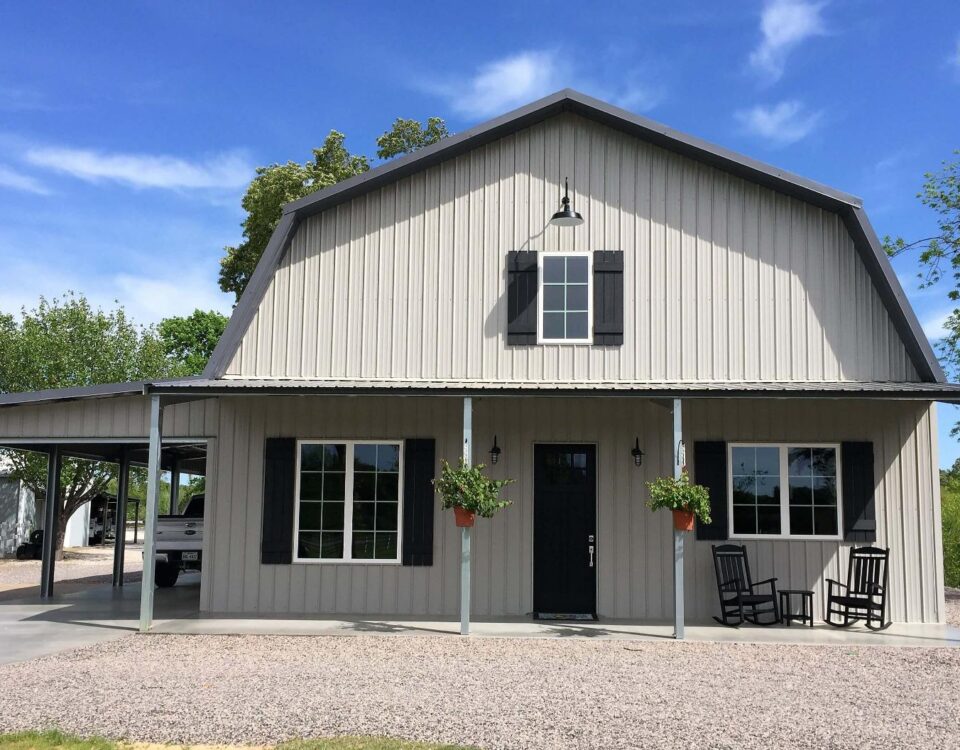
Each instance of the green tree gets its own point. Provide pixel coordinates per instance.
(939, 254)
(189, 341)
(409, 135)
(62, 343)
(278, 184)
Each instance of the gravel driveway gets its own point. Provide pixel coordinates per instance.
(495, 693)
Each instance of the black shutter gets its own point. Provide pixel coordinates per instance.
(521, 298)
(419, 457)
(608, 298)
(710, 470)
(279, 467)
(859, 512)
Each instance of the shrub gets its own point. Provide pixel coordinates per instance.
(950, 495)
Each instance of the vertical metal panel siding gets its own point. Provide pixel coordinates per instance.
(634, 552)
(121, 417)
(726, 280)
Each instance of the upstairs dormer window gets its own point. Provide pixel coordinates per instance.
(566, 291)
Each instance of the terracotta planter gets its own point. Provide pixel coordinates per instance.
(464, 517)
(683, 520)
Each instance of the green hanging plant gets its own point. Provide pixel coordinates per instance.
(469, 488)
(680, 494)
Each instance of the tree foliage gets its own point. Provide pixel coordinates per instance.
(65, 342)
(278, 184)
(189, 341)
(939, 255)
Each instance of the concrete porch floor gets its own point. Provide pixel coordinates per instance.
(30, 628)
(934, 636)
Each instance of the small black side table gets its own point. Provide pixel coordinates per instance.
(806, 607)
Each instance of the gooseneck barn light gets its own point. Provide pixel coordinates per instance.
(566, 216)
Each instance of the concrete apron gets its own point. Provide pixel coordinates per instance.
(97, 614)
(83, 615)
(898, 634)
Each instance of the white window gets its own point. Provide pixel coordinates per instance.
(564, 299)
(784, 490)
(349, 500)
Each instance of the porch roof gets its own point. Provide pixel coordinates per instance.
(925, 391)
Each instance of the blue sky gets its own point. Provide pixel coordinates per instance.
(129, 130)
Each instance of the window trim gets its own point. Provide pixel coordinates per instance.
(783, 447)
(347, 559)
(541, 257)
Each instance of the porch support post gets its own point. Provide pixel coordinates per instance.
(465, 531)
(678, 466)
(175, 488)
(120, 522)
(51, 515)
(150, 517)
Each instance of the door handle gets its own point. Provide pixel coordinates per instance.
(590, 549)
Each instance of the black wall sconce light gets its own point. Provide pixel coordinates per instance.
(637, 453)
(494, 451)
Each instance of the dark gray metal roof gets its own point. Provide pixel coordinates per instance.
(847, 206)
(648, 389)
(105, 390)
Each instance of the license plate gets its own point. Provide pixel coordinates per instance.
(190, 555)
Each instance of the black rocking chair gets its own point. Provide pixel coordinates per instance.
(739, 598)
(864, 596)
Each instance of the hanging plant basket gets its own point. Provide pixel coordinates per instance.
(464, 518)
(683, 520)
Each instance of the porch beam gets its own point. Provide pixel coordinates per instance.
(150, 517)
(465, 531)
(678, 467)
(50, 517)
(120, 522)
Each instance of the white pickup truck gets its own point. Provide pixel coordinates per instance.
(179, 542)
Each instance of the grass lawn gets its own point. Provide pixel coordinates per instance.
(58, 741)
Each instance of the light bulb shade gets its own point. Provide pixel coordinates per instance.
(566, 217)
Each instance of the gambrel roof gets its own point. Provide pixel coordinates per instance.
(848, 207)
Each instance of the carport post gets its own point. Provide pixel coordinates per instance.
(50, 517)
(150, 517)
(120, 522)
(175, 488)
(465, 531)
(678, 466)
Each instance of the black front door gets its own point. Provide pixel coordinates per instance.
(564, 530)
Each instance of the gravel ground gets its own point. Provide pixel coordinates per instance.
(494, 693)
(86, 564)
(953, 606)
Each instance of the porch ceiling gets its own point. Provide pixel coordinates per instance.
(648, 389)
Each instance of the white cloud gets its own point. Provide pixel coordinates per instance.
(512, 81)
(934, 325)
(954, 59)
(784, 25)
(229, 170)
(150, 299)
(503, 84)
(781, 124)
(14, 180)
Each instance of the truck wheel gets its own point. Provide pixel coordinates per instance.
(166, 574)
(25, 552)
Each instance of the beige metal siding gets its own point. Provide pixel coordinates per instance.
(634, 554)
(725, 280)
(122, 417)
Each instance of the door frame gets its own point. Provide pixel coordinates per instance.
(596, 511)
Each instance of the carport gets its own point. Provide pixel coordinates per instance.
(116, 424)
